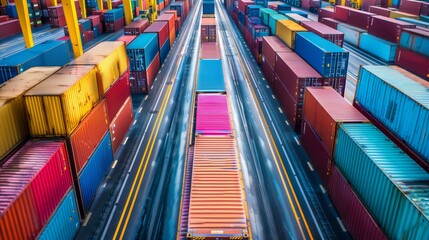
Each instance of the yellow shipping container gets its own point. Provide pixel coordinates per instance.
(397, 14)
(110, 59)
(57, 105)
(13, 124)
(286, 31)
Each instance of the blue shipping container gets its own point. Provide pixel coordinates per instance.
(272, 22)
(39, 55)
(142, 50)
(378, 47)
(259, 31)
(208, 8)
(91, 4)
(264, 15)
(424, 18)
(113, 15)
(416, 40)
(352, 34)
(398, 102)
(254, 20)
(177, 7)
(253, 10)
(284, 7)
(86, 24)
(415, 22)
(164, 50)
(241, 17)
(11, 11)
(392, 186)
(95, 169)
(65, 221)
(210, 76)
(324, 56)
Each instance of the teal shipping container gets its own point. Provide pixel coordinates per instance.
(351, 34)
(65, 222)
(424, 18)
(142, 50)
(210, 76)
(272, 22)
(398, 102)
(416, 40)
(416, 22)
(378, 47)
(264, 15)
(392, 186)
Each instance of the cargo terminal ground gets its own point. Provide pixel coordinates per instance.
(201, 128)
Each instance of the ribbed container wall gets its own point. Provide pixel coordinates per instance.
(209, 50)
(65, 222)
(136, 27)
(352, 34)
(415, 40)
(272, 22)
(95, 170)
(212, 115)
(286, 30)
(398, 102)
(389, 182)
(142, 51)
(120, 124)
(378, 47)
(325, 32)
(57, 105)
(117, 95)
(34, 180)
(210, 76)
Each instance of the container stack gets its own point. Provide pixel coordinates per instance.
(170, 19)
(136, 27)
(161, 29)
(56, 15)
(413, 51)
(208, 29)
(114, 20)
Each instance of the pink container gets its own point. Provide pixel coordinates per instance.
(117, 94)
(95, 20)
(210, 50)
(324, 31)
(290, 107)
(355, 216)
(120, 124)
(208, 30)
(56, 11)
(127, 39)
(380, 11)
(9, 28)
(212, 116)
(271, 46)
(160, 28)
(330, 22)
(387, 28)
(33, 182)
(325, 13)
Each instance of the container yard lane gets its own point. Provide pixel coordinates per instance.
(133, 203)
(282, 203)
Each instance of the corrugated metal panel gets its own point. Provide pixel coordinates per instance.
(416, 40)
(296, 17)
(216, 206)
(94, 171)
(393, 187)
(324, 56)
(272, 22)
(271, 46)
(399, 102)
(212, 114)
(210, 76)
(286, 30)
(142, 51)
(117, 95)
(88, 134)
(378, 47)
(351, 34)
(110, 59)
(120, 125)
(57, 105)
(33, 182)
(65, 222)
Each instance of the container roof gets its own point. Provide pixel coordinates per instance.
(210, 76)
(320, 42)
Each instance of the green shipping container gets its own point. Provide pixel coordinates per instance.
(392, 186)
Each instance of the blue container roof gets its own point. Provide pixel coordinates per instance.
(402, 171)
(254, 6)
(404, 84)
(210, 76)
(143, 40)
(320, 42)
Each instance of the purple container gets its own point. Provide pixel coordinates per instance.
(411, 6)
(212, 115)
(325, 13)
(388, 29)
(360, 19)
(324, 31)
(380, 11)
(330, 22)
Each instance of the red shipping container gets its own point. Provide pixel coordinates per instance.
(56, 11)
(355, 216)
(360, 19)
(120, 125)
(127, 39)
(9, 28)
(208, 29)
(117, 94)
(160, 6)
(141, 82)
(242, 5)
(185, 6)
(115, 26)
(209, 50)
(425, 9)
(330, 22)
(341, 13)
(137, 27)
(380, 11)
(95, 20)
(57, 22)
(115, 3)
(88, 36)
(248, 37)
(267, 71)
(325, 13)
(271, 46)
(366, 4)
(34, 180)
(100, 13)
(257, 49)
(4, 18)
(292, 109)
(387, 28)
(339, 84)
(160, 28)
(411, 6)
(174, 12)
(178, 24)
(324, 109)
(324, 31)
(88, 134)
(413, 62)
(169, 18)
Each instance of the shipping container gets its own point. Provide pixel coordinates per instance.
(208, 30)
(352, 34)
(360, 19)
(57, 105)
(286, 30)
(141, 81)
(267, 71)
(34, 180)
(325, 32)
(253, 10)
(291, 108)
(272, 22)
(341, 13)
(13, 122)
(136, 27)
(325, 57)
(359, 222)
(415, 40)
(88, 134)
(271, 46)
(330, 22)
(387, 28)
(303, 14)
(378, 47)
(208, 7)
(127, 39)
(380, 11)
(398, 14)
(215, 159)
(296, 18)
(9, 28)
(115, 26)
(391, 185)
(398, 102)
(212, 115)
(325, 13)
(418, 23)
(113, 15)
(264, 15)
(242, 5)
(117, 95)
(413, 62)
(165, 49)
(210, 50)
(120, 125)
(170, 19)
(94, 171)
(411, 6)
(110, 59)
(161, 29)
(210, 76)
(142, 51)
(65, 222)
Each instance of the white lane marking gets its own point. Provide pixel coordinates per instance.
(322, 188)
(287, 123)
(87, 219)
(263, 78)
(156, 79)
(140, 110)
(288, 160)
(159, 71)
(104, 185)
(114, 164)
(126, 140)
(280, 110)
(268, 86)
(310, 166)
(259, 71)
(274, 97)
(296, 140)
(151, 87)
(146, 97)
(341, 224)
(134, 123)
